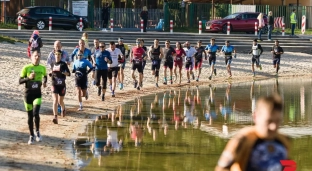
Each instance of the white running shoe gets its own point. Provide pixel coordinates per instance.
(80, 108)
(38, 137)
(31, 140)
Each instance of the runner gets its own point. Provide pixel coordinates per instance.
(136, 57)
(125, 51)
(199, 58)
(169, 53)
(189, 60)
(100, 59)
(228, 51)
(34, 43)
(34, 76)
(277, 51)
(86, 52)
(256, 51)
(178, 61)
(259, 147)
(96, 46)
(144, 60)
(58, 73)
(113, 68)
(155, 54)
(212, 49)
(51, 59)
(81, 74)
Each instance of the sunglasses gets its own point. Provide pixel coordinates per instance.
(102, 46)
(167, 43)
(80, 55)
(57, 54)
(138, 42)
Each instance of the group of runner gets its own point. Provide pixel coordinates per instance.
(110, 63)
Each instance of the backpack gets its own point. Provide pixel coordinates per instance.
(34, 43)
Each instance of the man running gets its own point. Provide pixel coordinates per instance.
(212, 50)
(259, 147)
(86, 52)
(189, 60)
(155, 53)
(34, 76)
(96, 46)
(169, 53)
(256, 51)
(125, 51)
(100, 59)
(199, 58)
(113, 68)
(228, 51)
(136, 57)
(58, 73)
(277, 51)
(81, 74)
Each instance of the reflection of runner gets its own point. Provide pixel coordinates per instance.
(228, 51)
(189, 117)
(154, 119)
(226, 109)
(210, 105)
(136, 133)
(177, 110)
(260, 147)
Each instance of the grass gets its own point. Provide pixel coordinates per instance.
(8, 26)
(10, 40)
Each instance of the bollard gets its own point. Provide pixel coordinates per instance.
(112, 24)
(171, 26)
(141, 26)
(256, 28)
(200, 27)
(50, 23)
(228, 28)
(303, 24)
(283, 29)
(19, 27)
(80, 24)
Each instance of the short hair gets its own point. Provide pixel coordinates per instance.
(227, 41)
(120, 39)
(273, 102)
(112, 43)
(167, 41)
(58, 51)
(199, 41)
(255, 40)
(213, 39)
(294, 10)
(156, 39)
(138, 39)
(102, 43)
(35, 50)
(81, 40)
(142, 40)
(277, 41)
(96, 39)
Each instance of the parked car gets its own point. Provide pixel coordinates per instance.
(38, 16)
(239, 22)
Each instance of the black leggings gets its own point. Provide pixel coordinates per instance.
(31, 114)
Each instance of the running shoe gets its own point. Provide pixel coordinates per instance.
(197, 79)
(120, 86)
(63, 113)
(156, 85)
(113, 94)
(38, 137)
(188, 81)
(215, 71)
(31, 140)
(135, 83)
(210, 77)
(87, 94)
(171, 82)
(80, 108)
(99, 90)
(138, 88)
(55, 121)
(165, 83)
(103, 97)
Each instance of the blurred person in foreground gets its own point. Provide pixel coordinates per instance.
(259, 147)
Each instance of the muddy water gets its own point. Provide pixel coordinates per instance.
(187, 129)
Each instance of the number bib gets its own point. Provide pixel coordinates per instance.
(137, 62)
(155, 62)
(59, 81)
(33, 85)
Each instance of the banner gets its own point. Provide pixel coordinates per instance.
(243, 8)
(80, 8)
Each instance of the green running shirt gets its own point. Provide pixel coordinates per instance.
(33, 86)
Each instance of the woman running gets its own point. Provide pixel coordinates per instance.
(178, 60)
(59, 71)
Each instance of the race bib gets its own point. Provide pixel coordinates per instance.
(34, 85)
(188, 59)
(56, 68)
(155, 62)
(59, 81)
(275, 50)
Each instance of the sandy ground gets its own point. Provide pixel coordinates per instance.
(55, 152)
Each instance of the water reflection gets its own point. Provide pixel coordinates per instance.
(188, 129)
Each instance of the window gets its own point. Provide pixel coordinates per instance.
(252, 16)
(61, 12)
(47, 11)
(245, 16)
(37, 11)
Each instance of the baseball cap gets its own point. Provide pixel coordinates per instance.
(36, 32)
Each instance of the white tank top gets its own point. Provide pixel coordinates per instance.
(255, 50)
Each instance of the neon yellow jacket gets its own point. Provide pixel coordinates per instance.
(293, 19)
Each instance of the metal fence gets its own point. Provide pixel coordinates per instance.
(128, 18)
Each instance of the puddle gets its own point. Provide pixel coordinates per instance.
(187, 129)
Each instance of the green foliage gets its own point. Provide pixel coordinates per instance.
(10, 40)
(8, 26)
